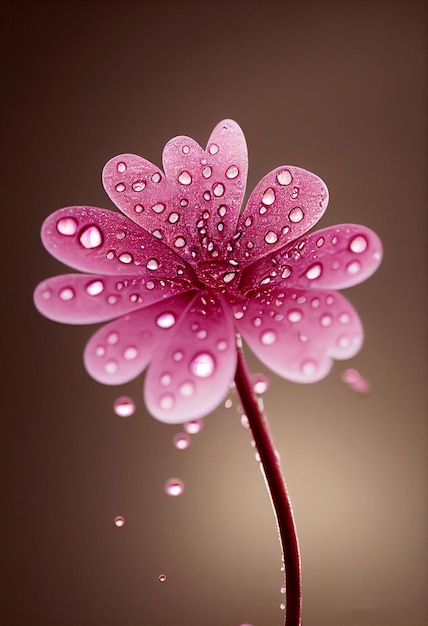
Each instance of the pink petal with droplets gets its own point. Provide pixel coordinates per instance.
(297, 333)
(194, 207)
(285, 204)
(87, 299)
(190, 376)
(333, 258)
(102, 241)
(120, 350)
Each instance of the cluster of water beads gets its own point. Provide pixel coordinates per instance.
(124, 406)
(356, 381)
(181, 441)
(193, 427)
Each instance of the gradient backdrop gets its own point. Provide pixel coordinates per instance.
(336, 87)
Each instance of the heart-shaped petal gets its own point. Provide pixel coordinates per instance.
(102, 241)
(87, 299)
(297, 333)
(189, 377)
(120, 350)
(285, 204)
(333, 258)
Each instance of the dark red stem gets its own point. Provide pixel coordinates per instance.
(278, 491)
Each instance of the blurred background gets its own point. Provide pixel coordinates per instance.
(336, 87)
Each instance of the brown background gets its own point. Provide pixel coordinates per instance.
(338, 88)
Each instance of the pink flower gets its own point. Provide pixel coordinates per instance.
(182, 270)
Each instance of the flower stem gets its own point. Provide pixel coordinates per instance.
(278, 491)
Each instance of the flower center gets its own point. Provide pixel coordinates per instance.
(219, 275)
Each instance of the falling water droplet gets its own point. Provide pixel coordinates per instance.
(162, 577)
(124, 406)
(181, 441)
(174, 487)
(67, 226)
(91, 237)
(119, 521)
(260, 383)
(202, 365)
(356, 381)
(193, 427)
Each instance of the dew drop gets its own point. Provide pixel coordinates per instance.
(95, 287)
(181, 441)
(315, 302)
(268, 197)
(158, 208)
(344, 342)
(358, 244)
(124, 406)
(121, 167)
(177, 356)
(185, 178)
(120, 187)
(193, 427)
(257, 321)
(286, 272)
(126, 258)
(165, 379)
(320, 242)
(260, 383)
(138, 185)
(207, 195)
(353, 267)
(232, 172)
(248, 221)
(167, 402)
(202, 365)
(344, 318)
(314, 271)
(113, 338)
(228, 277)
(326, 320)
(67, 226)
(294, 316)
(162, 577)
(309, 367)
(284, 177)
(66, 294)
(295, 215)
(112, 299)
(173, 218)
(207, 171)
(218, 190)
(111, 367)
(180, 242)
(152, 264)
(187, 389)
(222, 210)
(271, 237)
(138, 208)
(165, 320)
(174, 487)
(222, 345)
(213, 149)
(268, 337)
(119, 521)
(130, 353)
(91, 237)
(156, 177)
(46, 294)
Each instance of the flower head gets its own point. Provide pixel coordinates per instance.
(183, 269)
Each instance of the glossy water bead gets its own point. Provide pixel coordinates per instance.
(124, 406)
(174, 487)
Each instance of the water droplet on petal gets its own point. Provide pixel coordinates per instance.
(294, 316)
(67, 293)
(158, 208)
(67, 226)
(260, 383)
(119, 521)
(232, 172)
(193, 427)
(187, 389)
(295, 215)
(268, 197)
(309, 367)
(178, 355)
(326, 320)
(257, 321)
(268, 337)
(167, 402)
(152, 264)
(120, 187)
(213, 149)
(344, 318)
(138, 208)
(314, 271)
(124, 406)
(271, 237)
(47, 293)
(353, 267)
(130, 353)
(185, 178)
(138, 185)
(126, 258)
(173, 218)
(284, 177)
(218, 190)
(121, 167)
(229, 276)
(91, 237)
(181, 441)
(320, 242)
(180, 242)
(286, 272)
(222, 210)
(207, 171)
(162, 577)
(222, 345)
(174, 487)
(202, 365)
(358, 244)
(95, 287)
(156, 177)
(165, 320)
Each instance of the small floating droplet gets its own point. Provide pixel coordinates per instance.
(162, 577)
(91, 237)
(119, 521)
(181, 441)
(124, 406)
(260, 383)
(193, 427)
(174, 487)
(67, 226)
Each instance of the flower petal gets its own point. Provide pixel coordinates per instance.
(285, 204)
(120, 350)
(297, 333)
(333, 258)
(87, 299)
(195, 206)
(189, 377)
(102, 241)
